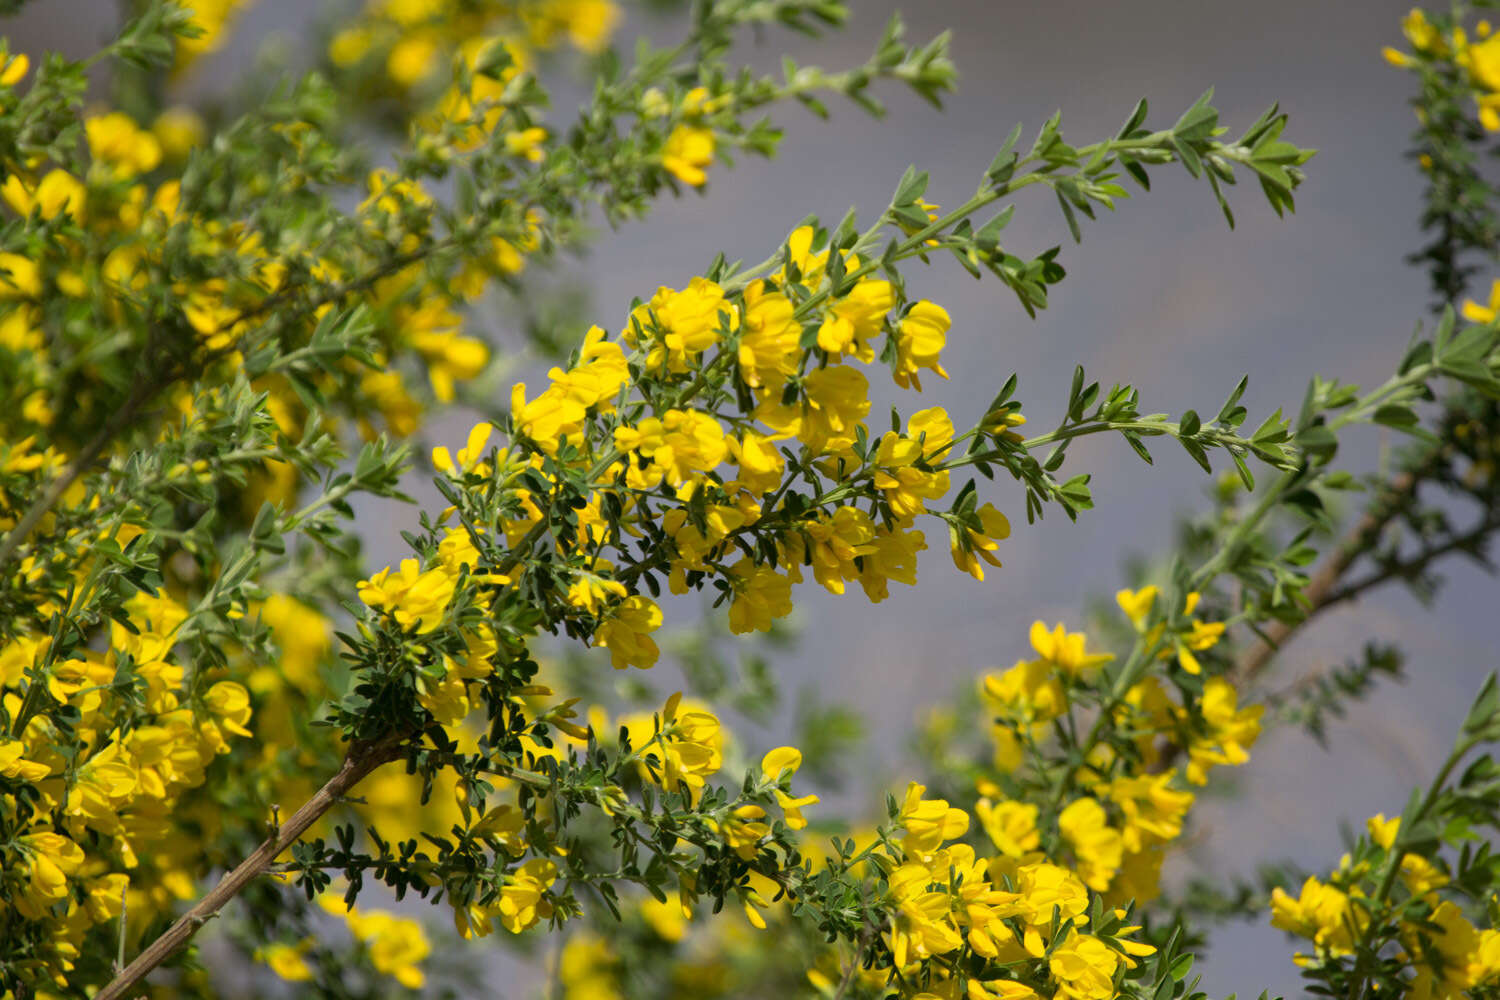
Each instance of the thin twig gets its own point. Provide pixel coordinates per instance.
(359, 762)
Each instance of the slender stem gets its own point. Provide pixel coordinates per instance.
(359, 762)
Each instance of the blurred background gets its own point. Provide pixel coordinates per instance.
(1161, 295)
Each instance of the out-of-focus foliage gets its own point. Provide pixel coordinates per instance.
(218, 330)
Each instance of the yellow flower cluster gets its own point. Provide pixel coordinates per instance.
(1479, 58)
(1449, 955)
(1004, 909)
(98, 826)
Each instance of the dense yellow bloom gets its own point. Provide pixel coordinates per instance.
(1030, 691)
(14, 765)
(689, 749)
(450, 358)
(1040, 890)
(50, 858)
(303, 636)
(833, 542)
(586, 967)
(20, 278)
(762, 466)
(396, 945)
(893, 557)
(837, 400)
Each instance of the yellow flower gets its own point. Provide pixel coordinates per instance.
(680, 325)
(1229, 731)
(1098, 846)
(527, 144)
(784, 762)
(762, 467)
(1321, 913)
(116, 139)
(1383, 831)
(1476, 313)
(968, 545)
(1011, 826)
(468, 456)
(1153, 809)
(852, 321)
(231, 703)
(920, 338)
(929, 433)
(1084, 968)
(286, 960)
(927, 823)
(837, 400)
(49, 859)
(625, 632)
(14, 69)
(415, 598)
(14, 765)
(761, 595)
(769, 344)
(742, 830)
(1066, 650)
(1040, 890)
(20, 278)
(687, 151)
(1137, 605)
(57, 193)
(893, 557)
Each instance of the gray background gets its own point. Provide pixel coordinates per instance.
(1161, 295)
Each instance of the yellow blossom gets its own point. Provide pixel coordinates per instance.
(687, 151)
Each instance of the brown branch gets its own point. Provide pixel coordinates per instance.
(1322, 591)
(360, 761)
